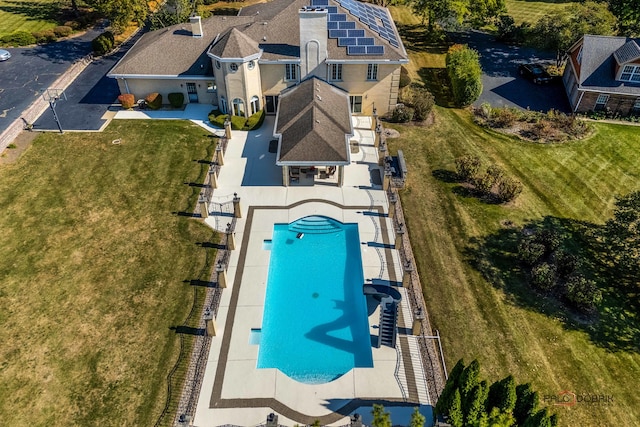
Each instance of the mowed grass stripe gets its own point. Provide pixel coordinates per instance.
(27, 15)
(509, 330)
(94, 262)
(532, 11)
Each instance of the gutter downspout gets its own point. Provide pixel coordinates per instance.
(126, 85)
(579, 101)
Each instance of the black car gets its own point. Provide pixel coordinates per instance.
(535, 72)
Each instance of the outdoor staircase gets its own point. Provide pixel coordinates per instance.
(387, 325)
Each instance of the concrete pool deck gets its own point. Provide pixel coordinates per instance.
(234, 391)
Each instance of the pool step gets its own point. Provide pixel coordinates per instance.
(387, 325)
(315, 225)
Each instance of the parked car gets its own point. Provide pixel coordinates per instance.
(535, 72)
(4, 55)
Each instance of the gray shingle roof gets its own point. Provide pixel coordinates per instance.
(274, 26)
(597, 69)
(315, 123)
(630, 51)
(234, 44)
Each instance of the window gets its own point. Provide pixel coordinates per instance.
(356, 104)
(255, 104)
(630, 73)
(251, 65)
(601, 101)
(223, 105)
(290, 72)
(211, 87)
(372, 72)
(579, 58)
(636, 106)
(336, 72)
(238, 107)
(217, 64)
(233, 67)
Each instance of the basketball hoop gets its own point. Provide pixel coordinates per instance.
(52, 96)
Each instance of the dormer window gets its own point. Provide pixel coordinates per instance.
(630, 73)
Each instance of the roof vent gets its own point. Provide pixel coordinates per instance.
(264, 38)
(319, 97)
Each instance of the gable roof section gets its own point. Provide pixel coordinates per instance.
(598, 66)
(235, 45)
(629, 52)
(173, 51)
(314, 124)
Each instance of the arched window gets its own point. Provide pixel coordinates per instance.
(255, 104)
(223, 105)
(238, 107)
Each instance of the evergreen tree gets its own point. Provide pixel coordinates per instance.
(474, 403)
(526, 403)
(456, 418)
(444, 401)
(502, 395)
(542, 418)
(380, 417)
(417, 419)
(469, 378)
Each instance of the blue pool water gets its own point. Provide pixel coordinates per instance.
(315, 326)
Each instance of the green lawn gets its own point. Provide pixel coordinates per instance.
(499, 321)
(96, 260)
(28, 15)
(531, 11)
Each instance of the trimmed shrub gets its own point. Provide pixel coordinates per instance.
(550, 238)
(402, 114)
(565, 262)
(154, 101)
(218, 119)
(237, 122)
(530, 252)
(463, 67)
(405, 80)
(583, 293)
(19, 38)
(484, 184)
(255, 121)
(127, 100)
(508, 189)
(422, 102)
(103, 43)
(176, 99)
(543, 276)
(62, 31)
(45, 36)
(467, 167)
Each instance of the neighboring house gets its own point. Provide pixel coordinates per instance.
(603, 73)
(242, 64)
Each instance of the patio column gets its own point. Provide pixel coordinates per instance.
(222, 276)
(219, 155)
(213, 180)
(210, 323)
(237, 212)
(393, 199)
(340, 176)
(406, 275)
(382, 153)
(386, 180)
(399, 233)
(418, 317)
(227, 129)
(204, 208)
(285, 176)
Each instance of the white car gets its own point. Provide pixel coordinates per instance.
(4, 55)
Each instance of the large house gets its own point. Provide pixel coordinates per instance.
(603, 74)
(242, 64)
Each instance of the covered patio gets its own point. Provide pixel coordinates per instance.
(313, 128)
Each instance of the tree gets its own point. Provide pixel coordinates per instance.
(558, 30)
(526, 403)
(583, 293)
(121, 12)
(628, 14)
(417, 419)
(469, 379)
(172, 12)
(432, 10)
(484, 11)
(380, 417)
(445, 400)
(622, 236)
(474, 404)
(456, 418)
(542, 418)
(463, 67)
(502, 395)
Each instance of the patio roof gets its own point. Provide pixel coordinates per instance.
(313, 125)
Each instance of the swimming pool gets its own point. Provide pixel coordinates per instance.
(315, 326)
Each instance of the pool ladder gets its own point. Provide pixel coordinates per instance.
(388, 319)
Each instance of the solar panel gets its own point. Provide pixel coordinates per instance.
(365, 41)
(332, 9)
(319, 2)
(356, 33)
(332, 25)
(337, 17)
(356, 50)
(347, 25)
(334, 34)
(347, 41)
(375, 50)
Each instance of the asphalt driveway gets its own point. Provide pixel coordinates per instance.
(503, 87)
(33, 69)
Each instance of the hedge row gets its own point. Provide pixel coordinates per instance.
(237, 122)
(24, 38)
